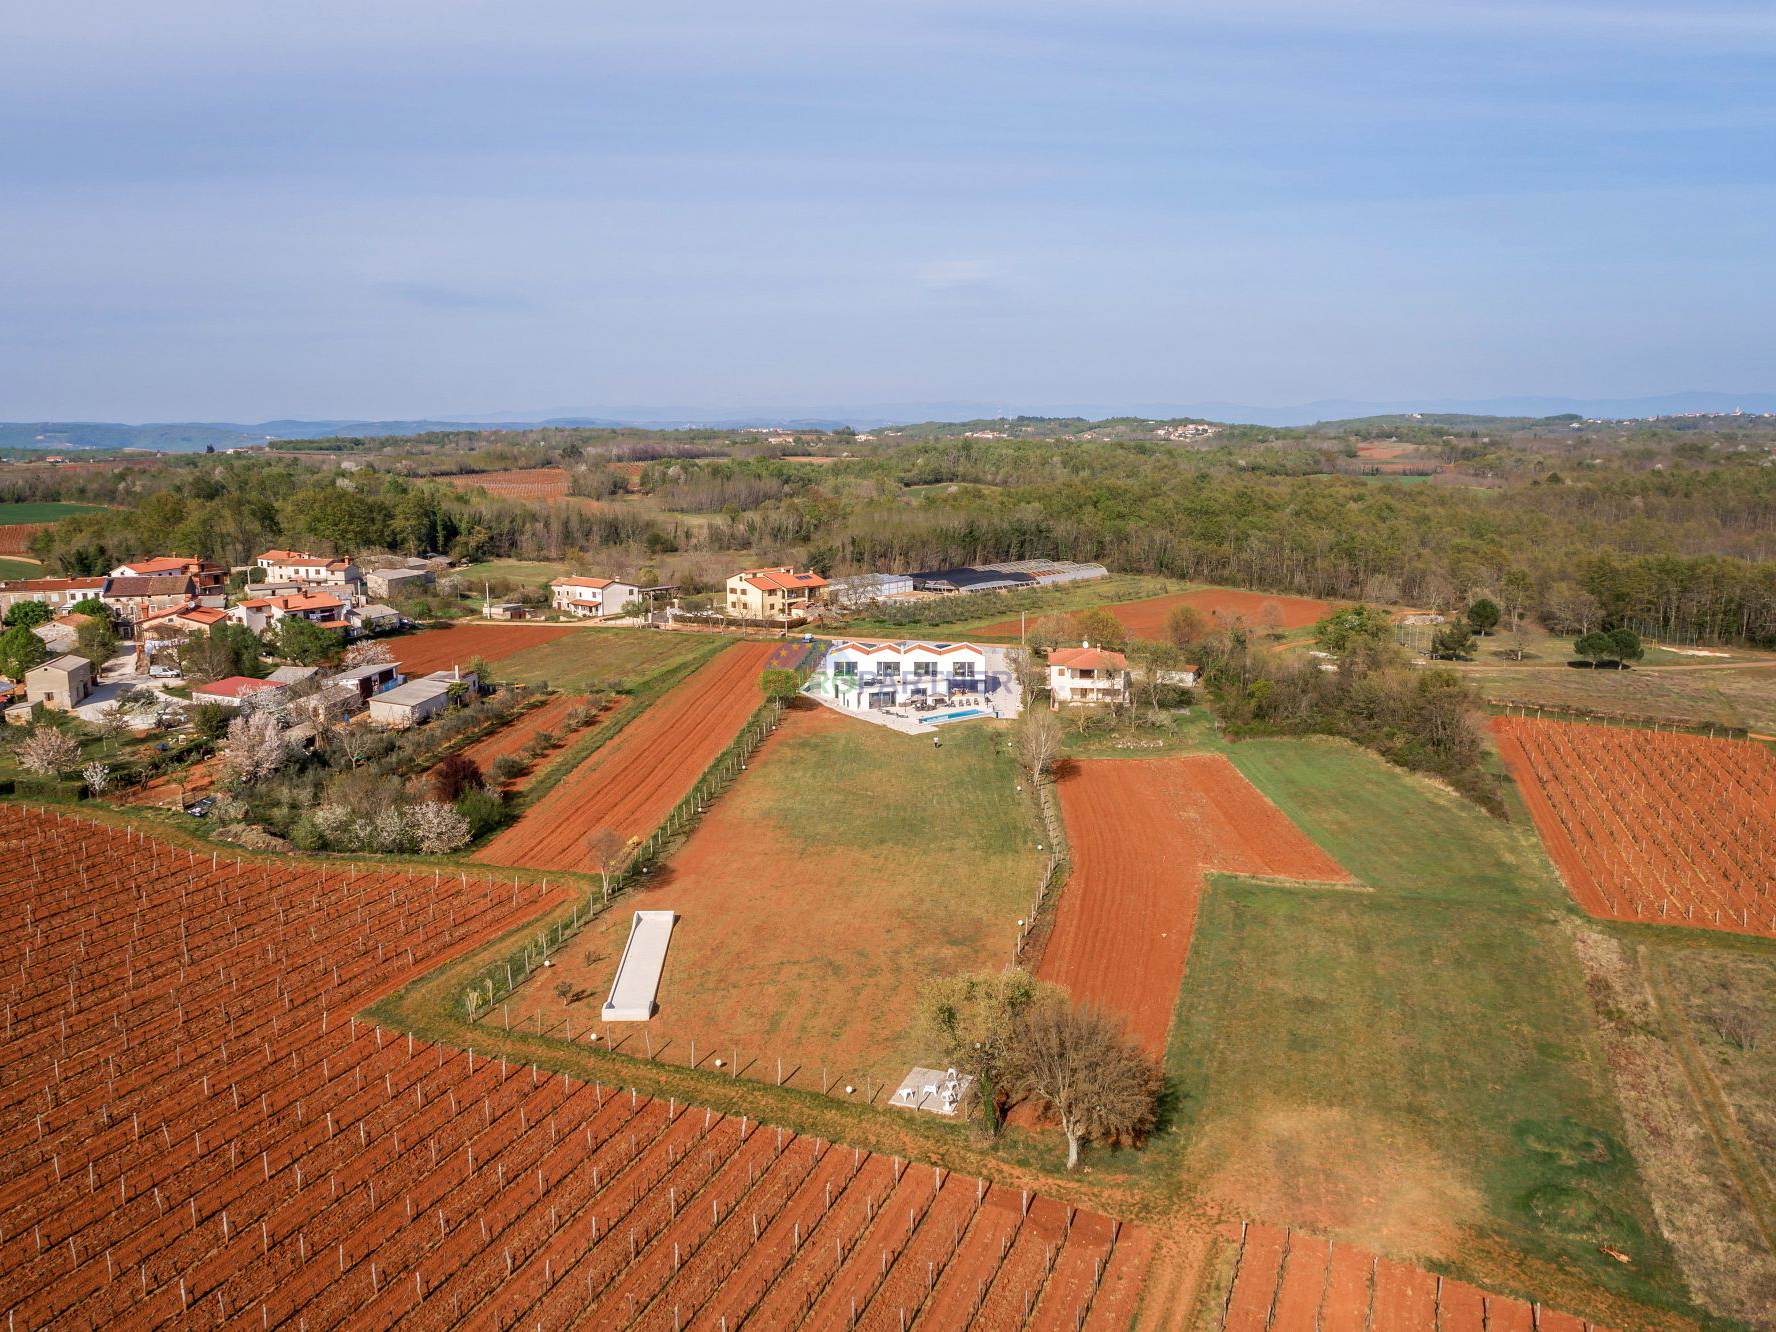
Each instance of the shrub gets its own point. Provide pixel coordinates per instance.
(454, 775)
(483, 811)
(506, 767)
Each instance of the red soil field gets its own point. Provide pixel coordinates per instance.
(635, 780)
(1144, 832)
(1288, 1282)
(440, 649)
(15, 538)
(550, 715)
(1679, 829)
(1218, 605)
(197, 1133)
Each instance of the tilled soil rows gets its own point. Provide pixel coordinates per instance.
(1669, 829)
(635, 780)
(198, 1132)
(1146, 618)
(1143, 834)
(1287, 1282)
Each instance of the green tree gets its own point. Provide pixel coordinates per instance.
(972, 1020)
(1625, 645)
(1101, 629)
(780, 683)
(1484, 615)
(90, 606)
(96, 640)
(1453, 640)
(20, 650)
(1339, 630)
(306, 643)
(28, 613)
(1594, 647)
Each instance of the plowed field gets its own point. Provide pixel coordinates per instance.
(1652, 827)
(440, 649)
(15, 538)
(1218, 605)
(635, 780)
(1144, 832)
(509, 739)
(197, 1134)
(536, 483)
(1288, 1282)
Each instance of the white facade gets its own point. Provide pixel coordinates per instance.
(1087, 675)
(593, 598)
(859, 676)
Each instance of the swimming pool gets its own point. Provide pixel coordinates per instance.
(938, 719)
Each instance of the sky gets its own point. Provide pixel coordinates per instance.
(215, 210)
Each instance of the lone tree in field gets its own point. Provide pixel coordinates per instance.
(1484, 615)
(1453, 641)
(1038, 741)
(973, 1020)
(1185, 627)
(610, 853)
(47, 751)
(1080, 1065)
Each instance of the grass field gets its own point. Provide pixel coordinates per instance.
(1408, 1067)
(536, 573)
(594, 658)
(849, 864)
(42, 511)
(1736, 694)
(10, 569)
(986, 608)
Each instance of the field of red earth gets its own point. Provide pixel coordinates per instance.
(1146, 619)
(635, 780)
(535, 483)
(15, 538)
(550, 715)
(1144, 833)
(440, 649)
(1668, 828)
(1284, 1281)
(197, 1133)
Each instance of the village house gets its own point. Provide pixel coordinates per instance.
(1086, 674)
(779, 593)
(368, 680)
(600, 598)
(262, 613)
(56, 593)
(134, 598)
(395, 582)
(209, 580)
(61, 682)
(861, 676)
(306, 570)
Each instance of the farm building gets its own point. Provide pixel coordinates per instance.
(594, 598)
(1006, 576)
(61, 682)
(861, 589)
(373, 616)
(394, 582)
(422, 699)
(232, 690)
(1086, 674)
(860, 676)
(370, 679)
(773, 594)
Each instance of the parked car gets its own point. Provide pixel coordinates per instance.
(201, 807)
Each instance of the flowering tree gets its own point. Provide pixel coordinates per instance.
(47, 751)
(98, 777)
(436, 828)
(255, 747)
(368, 654)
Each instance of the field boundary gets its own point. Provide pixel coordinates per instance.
(1053, 882)
(1502, 707)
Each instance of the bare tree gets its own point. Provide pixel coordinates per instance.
(1080, 1064)
(47, 751)
(610, 853)
(1038, 742)
(972, 1020)
(114, 723)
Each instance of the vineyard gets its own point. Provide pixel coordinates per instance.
(15, 538)
(536, 483)
(1656, 827)
(1287, 1282)
(197, 1132)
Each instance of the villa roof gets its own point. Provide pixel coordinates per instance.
(1088, 658)
(786, 580)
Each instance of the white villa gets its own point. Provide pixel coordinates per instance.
(860, 676)
(1086, 674)
(599, 598)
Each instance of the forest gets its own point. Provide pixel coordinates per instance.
(1668, 529)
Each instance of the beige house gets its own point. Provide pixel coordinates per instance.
(1086, 674)
(773, 594)
(61, 682)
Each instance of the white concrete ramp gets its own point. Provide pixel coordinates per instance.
(638, 973)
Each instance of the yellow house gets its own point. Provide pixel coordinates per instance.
(773, 594)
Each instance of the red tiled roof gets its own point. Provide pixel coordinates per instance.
(53, 584)
(787, 581)
(234, 686)
(1088, 658)
(583, 582)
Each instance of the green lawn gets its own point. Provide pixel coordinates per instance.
(1421, 1054)
(536, 573)
(590, 658)
(980, 609)
(10, 569)
(42, 511)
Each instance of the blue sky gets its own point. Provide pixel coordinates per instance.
(218, 210)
